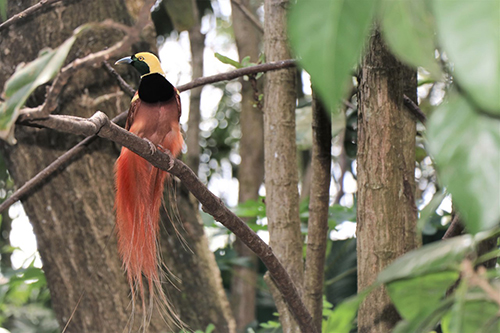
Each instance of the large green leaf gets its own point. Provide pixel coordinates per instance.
(479, 316)
(415, 296)
(466, 149)
(469, 32)
(25, 80)
(426, 321)
(408, 29)
(435, 257)
(329, 37)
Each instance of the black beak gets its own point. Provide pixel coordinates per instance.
(126, 60)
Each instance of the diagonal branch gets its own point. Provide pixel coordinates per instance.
(99, 124)
(27, 12)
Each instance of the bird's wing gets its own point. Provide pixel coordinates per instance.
(134, 105)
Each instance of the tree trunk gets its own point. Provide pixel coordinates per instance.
(386, 225)
(72, 214)
(251, 168)
(321, 161)
(280, 157)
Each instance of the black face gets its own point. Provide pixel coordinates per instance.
(140, 65)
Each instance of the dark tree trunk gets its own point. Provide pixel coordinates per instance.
(386, 226)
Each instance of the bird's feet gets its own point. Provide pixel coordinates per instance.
(152, 147)
(172, 158)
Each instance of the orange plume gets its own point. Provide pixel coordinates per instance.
(154, 115)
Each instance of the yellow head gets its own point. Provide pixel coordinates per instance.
(144, 62)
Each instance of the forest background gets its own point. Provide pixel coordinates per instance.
(403, 175)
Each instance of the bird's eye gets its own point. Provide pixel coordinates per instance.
(141, 58)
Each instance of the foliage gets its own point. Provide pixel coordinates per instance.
(25, 301)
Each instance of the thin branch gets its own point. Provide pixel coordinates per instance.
(270, 66)
(121, 82)
(255, 21)
(99, 124)
(478, 279)
(415, 110)
(455, 228)
(70, 154)
(27, 12)
(133, 35)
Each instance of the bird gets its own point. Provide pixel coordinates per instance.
(154, 115)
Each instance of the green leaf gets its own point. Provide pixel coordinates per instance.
(428, 210)
(440, 256)
(210, 328)
(25, 80)
(227, 60)
(415, 296)
(3, 10)
(341, 320)
(329, 37)
(469, 32)
(250, 208)
(465, 147)
(424, 322)
(408, 29)
(472, 317)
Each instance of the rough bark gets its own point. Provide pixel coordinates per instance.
(72, 214)
(318, 212)
(251, 168)
(280, 154)
(386, 226)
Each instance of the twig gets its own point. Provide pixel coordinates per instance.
(415, 110)
(121, 82)
(455, 228)
(133, 34)
(478, 279)
(99, 124)
(27, 12)
(249, 15)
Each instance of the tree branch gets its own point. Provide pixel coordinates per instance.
(27, 12)
(100, 125)
(414, 109)
(121, 82)
(455, 228)
(255, 21)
